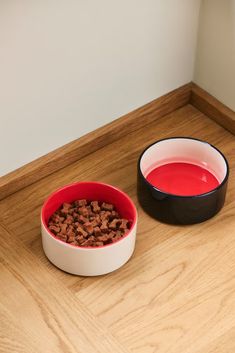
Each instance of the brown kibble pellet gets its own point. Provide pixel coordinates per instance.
(67, 205)
(104, 227)
(123, 225)
(105, 215)
(69, 219)
(103, 237)
(114, 224)
(62, 237)
(74, 243)
(79, 238)
(107, 206)
(113, 215)
(88, 242)
(81, 231)
(60, 219)
(71, 233)
(65, 211)
(57, 219)
(88, 223)
(65, 208)
(88, 228)
(93, 222)
(90, 212)
(118, 235)
(98, 220)
(54, 229)
(83, 211)
(75, 215)
(80, 203)
(97, 231)
(64, 228)
(83, 219)
(98, 243)
(71, 211)
(95, 206)
(71, 239)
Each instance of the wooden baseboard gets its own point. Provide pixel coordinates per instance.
(75, 150)
(91, 142)
(213, 108)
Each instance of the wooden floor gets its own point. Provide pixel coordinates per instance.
(176, 294)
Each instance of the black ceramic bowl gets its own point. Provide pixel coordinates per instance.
(174, 208)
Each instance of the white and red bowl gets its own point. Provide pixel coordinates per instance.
(89, 261)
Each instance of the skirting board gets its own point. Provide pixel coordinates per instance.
(94, 140)
(213, 108)
(75, 150)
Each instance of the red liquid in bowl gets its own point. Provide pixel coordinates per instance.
(182, 179)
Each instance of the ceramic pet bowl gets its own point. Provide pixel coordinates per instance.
(182, 180)
(89, 261)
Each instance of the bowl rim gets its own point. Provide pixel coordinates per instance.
(84, 248)
(184, 196)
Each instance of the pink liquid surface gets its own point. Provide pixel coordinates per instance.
(183, 179)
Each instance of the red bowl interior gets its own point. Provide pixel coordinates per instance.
(90, 191)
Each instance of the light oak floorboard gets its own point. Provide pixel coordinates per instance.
(176, 294)
(43, 308)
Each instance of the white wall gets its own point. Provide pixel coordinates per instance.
(68, 67)
(215, 63)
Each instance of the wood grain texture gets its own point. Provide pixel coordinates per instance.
(176, 294)
(213, 108)
(43, 309)
(91, 142)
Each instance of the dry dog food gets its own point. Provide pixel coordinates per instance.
(88, 223)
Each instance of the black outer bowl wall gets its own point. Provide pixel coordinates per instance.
(179, 210)
(174, 209)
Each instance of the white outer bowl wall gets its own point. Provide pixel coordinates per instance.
(87, 261)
